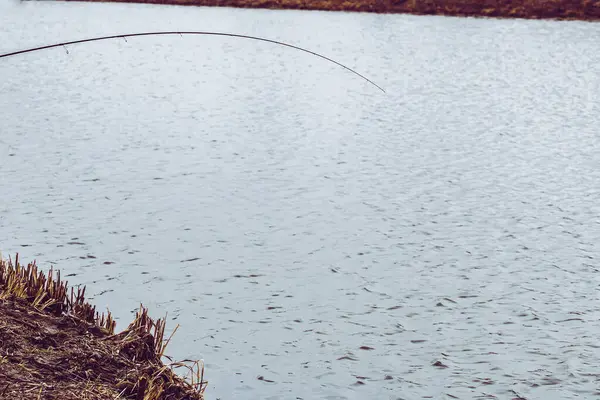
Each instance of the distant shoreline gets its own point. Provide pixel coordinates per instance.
(583, 10)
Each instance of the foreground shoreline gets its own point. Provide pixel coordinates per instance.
(54, 345)
(584, 10)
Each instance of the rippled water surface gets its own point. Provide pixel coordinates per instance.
(437, 241)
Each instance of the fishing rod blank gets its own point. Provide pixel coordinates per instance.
(126, 35)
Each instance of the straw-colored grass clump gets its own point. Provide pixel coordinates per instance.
(54, 345)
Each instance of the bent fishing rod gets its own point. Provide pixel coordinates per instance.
(181, 33)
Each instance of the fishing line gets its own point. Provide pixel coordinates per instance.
(181, 33)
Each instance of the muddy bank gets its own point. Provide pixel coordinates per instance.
(54, 345)
(531, 9)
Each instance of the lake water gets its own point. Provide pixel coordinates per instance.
(286, 213)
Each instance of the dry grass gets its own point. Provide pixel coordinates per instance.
(54, 345)
(47, 292)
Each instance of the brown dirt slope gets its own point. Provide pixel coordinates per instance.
(54, 346)
(533, 9)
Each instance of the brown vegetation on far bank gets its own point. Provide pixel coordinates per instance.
(532, 9)
(54, 345)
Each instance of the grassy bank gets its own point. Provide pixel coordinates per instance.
(54, 345)
(532, 9)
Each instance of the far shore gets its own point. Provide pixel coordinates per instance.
(586, 10)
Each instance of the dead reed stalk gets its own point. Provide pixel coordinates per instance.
(129, 363)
